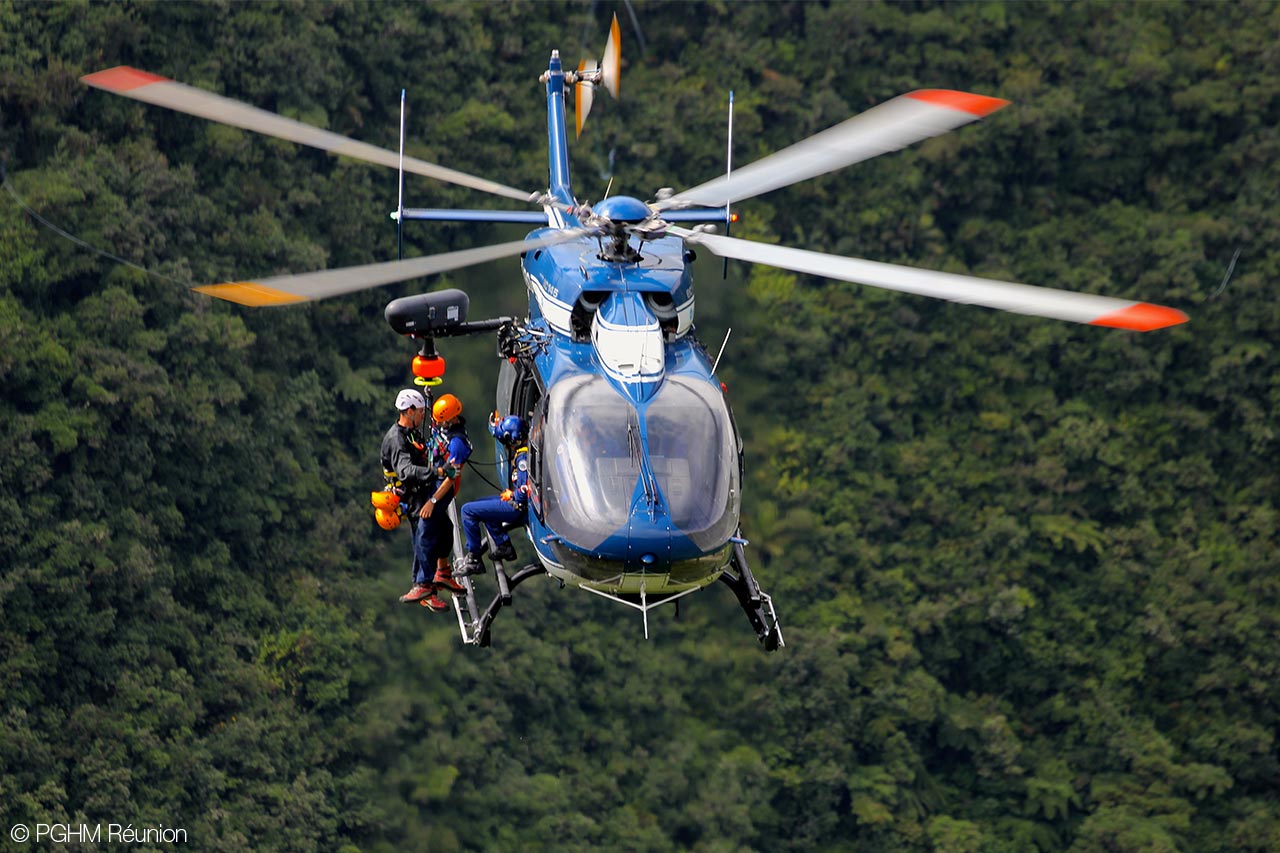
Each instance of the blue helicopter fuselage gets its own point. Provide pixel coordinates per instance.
(636, 462)
(637, 471)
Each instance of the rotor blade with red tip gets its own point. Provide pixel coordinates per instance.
(164, 92)
(892, 125)
(1001, 295)
(289, 289)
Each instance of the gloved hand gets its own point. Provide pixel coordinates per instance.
(508, 495)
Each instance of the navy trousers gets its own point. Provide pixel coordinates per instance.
(425, 547)
(492, 513)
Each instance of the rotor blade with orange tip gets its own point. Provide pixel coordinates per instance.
(888, 127)
(163, 92)
(970, 290)
(289, 289)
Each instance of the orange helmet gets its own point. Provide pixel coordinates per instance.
(384, 500)
(446, 408)
(387, 518)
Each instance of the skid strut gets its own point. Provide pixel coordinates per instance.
(755, 602)
(474, 624)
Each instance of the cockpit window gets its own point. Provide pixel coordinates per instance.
(694, 458)
(590, 460)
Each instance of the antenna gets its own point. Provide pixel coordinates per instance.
(728, 172)
(723, 344)
(400, 196)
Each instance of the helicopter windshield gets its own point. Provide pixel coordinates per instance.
(694, 457)
(591, 460)
(593, 450)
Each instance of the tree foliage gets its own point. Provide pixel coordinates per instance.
(1026, 570)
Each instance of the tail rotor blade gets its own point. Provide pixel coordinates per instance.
(888, 127)
(163, 92)
(583, 94)
(611, 63)
(306, 287)
(1001, 295)
(610, 75)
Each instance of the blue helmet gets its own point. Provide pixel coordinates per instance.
(509, 430)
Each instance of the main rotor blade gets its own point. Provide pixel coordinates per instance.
(892, 125)
(1001, 295)
(289, 289)
(164, 92)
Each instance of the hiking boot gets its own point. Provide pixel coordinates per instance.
(434, 603)
(444, 580)
(470, 564)
(504, 552)
(417, 592)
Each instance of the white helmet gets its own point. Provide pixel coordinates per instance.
(410, 399)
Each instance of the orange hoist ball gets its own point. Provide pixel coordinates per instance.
(428, 368)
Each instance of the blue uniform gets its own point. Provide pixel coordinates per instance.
(493, 512)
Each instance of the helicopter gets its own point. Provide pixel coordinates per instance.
(636, 463)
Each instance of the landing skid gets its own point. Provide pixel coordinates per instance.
(474, 625)
(755, 602)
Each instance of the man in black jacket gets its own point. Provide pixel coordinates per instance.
(405, 452)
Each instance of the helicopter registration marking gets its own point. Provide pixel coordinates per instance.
(557, 313)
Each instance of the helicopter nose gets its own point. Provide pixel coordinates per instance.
(648, 542)
(654, 544)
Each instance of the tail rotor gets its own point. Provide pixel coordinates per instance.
(608, 72)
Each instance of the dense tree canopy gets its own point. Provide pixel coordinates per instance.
(1028, 571)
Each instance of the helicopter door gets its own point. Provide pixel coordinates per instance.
(536, 422)
(518, 389)
(528, 394)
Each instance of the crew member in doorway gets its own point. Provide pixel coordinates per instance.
(510, 507)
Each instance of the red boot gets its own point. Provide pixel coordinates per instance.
(417, 592)
(444, 580)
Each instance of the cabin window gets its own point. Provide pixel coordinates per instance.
(589, 460)
(694, 455)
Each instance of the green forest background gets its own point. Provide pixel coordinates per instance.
(1027, 570)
